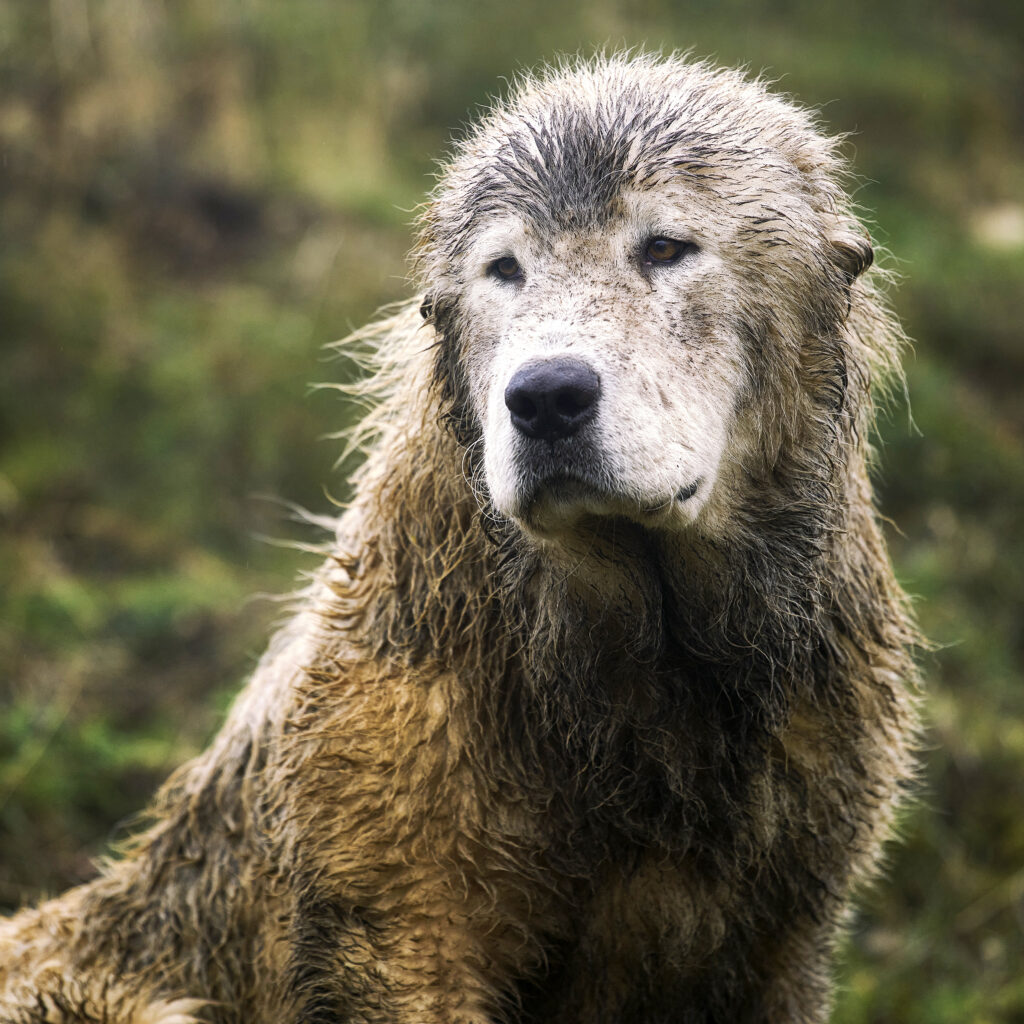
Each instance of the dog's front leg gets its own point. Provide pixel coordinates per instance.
(424, 954)
(419, 896)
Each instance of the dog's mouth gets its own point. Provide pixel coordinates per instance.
(561, 501)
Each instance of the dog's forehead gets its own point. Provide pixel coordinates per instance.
(514, 230)
(581, 166)
(712, 153)
(569, 170)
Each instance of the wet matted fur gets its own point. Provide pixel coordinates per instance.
(600, 709)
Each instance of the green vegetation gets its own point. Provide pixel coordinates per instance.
(197, 197)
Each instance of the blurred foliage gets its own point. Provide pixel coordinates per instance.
(197, 196)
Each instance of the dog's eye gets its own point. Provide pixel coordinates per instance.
(506, 269)
(665, 250)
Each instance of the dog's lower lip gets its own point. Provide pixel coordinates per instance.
(559, 484)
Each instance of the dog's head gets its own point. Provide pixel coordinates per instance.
(640, 272)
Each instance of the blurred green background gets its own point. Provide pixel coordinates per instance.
(197, 196)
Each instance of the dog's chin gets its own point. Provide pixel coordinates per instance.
(564, 509)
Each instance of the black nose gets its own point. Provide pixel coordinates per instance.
(552, 398)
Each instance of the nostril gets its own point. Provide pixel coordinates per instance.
(520, 404)
(552, 398)
(570, 401)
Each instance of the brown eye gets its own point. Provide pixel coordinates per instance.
(665, 250)
(507, 269)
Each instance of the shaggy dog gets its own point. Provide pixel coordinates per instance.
(601, 707)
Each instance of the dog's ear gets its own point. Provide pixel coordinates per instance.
(437, 308)
(851, 253)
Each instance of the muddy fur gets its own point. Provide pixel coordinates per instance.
(558, 764)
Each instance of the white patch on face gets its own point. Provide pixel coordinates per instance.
(670, 370)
